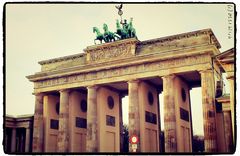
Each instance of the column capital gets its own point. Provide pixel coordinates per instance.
(39, 94)
(205, 71)
(133, 81)
(170, 76)
(64, 90)
(92, 87)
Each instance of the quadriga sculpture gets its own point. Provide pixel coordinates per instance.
(124, 32)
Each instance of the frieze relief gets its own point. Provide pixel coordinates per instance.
(109, 53)
(121, 71)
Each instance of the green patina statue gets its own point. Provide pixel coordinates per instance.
(122, 32)
(99, 35)
(131, 30)
(127, 31)
(108, 35)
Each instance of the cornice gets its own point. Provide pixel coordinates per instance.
(60, 59)
(184, 35)
(226, 56)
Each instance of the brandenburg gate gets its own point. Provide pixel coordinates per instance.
(78, 97)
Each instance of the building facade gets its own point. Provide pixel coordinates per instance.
(78, 98)
(18, 134)
(226, 61)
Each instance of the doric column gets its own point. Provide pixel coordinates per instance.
(27, 140)
(92, 132)
(169, 114)
(228, 131)
(63, 131)
(13, 140)
(37, 145)
(134, 121)
(232, 103)
(209, 113)
(121, 122)
(159, 122)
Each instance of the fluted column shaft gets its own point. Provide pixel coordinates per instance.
(121, 122)
(232, 104)
(228, 131)
(13, 140)
(209, 113)
(169, 114)
(63, 131)
(27, 140)
(134, 118)
(37, 145)
(92, 133)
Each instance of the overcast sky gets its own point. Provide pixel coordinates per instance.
(36, 32)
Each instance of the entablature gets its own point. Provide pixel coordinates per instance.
(206, 50)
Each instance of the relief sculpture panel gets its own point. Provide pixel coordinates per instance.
(103, 54)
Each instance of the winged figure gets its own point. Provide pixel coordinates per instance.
(119, 7)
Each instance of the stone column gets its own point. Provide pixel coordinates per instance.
(228, 131)
(134, 121)
(121, 122)
(232, 103)
(159, 123)
(63, 131)
(13, 140)
(27, 140)
(169, 114)
(209, 111)
(92, 132)
(37, 145)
